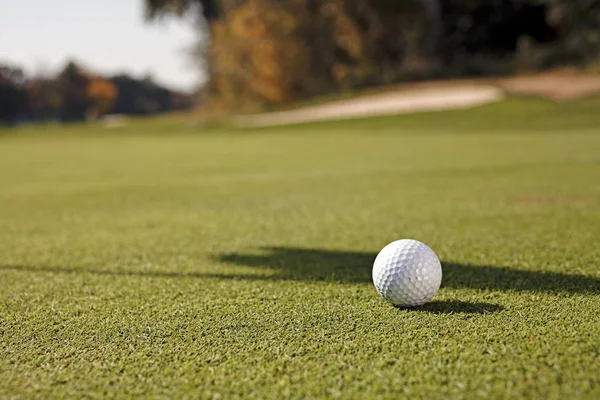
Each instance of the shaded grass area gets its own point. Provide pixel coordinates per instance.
(316, 265)
(353, 267)
(167, 260)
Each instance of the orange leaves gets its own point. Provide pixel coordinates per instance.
(100, 88)
(257, 53)
(101, 94)
(273, 52)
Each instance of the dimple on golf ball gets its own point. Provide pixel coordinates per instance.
(407, 273)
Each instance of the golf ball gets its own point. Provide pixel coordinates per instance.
(407, 273)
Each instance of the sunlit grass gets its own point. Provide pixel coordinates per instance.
(166, 259)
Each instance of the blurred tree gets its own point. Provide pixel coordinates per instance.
(209, 9)
(273, 52)
(76, 94)
(580, 19)
(144, 96)
(13, 98)
(494, 27)
(258, 47)
(44, 99)
(101, 94)
(257, 52)
(182, 101)
(72, 83)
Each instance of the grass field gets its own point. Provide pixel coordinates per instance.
(164, 260)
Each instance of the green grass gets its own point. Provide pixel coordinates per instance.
(167, 261)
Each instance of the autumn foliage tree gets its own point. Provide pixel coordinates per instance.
(257, 53)
(76, 94)
(273, 51)
(101, 95)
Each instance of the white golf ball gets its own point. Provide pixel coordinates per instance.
(407, 273)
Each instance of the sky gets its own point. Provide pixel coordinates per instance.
(106, 36)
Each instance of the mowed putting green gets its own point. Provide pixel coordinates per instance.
(161, 260)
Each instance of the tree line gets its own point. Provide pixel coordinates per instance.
(274, 51)
(77, 94)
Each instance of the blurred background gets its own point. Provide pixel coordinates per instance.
(72, 61)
